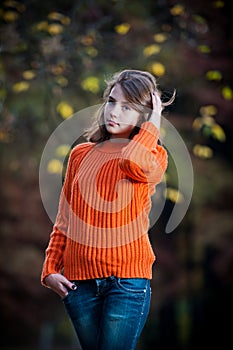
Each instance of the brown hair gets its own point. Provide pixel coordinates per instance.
(137, 87)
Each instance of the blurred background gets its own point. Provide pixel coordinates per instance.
(54, 59)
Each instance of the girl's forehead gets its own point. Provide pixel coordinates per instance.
(118, 94)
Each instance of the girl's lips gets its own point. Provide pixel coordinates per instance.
(112, 123)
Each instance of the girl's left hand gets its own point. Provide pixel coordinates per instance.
(157, 108)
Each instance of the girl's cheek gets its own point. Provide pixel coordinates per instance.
(107, 110)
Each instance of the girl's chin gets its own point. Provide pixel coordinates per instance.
(123, 135)
(117, 131)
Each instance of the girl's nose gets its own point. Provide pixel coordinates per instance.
(115, 112)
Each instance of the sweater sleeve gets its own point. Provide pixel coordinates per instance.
(143, 159)
(53, 262)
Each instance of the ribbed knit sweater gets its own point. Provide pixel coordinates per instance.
(102, 223)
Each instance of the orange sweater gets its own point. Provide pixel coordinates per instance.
(102, 223)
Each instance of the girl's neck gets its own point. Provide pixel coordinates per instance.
(112, 145)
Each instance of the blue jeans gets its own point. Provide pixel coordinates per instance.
(109, 313)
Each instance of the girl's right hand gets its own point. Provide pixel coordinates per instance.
(59, 284)
(157, 108)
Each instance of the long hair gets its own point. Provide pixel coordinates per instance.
(137, 87)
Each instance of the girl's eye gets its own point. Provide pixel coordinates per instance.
(111, 101)
(125, 108)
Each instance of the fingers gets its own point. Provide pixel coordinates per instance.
(59, 284)
(155, 117)
(156, 102)
(67, 283)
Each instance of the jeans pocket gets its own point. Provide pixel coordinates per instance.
(66, 296)
(70, 291)
(133, 285)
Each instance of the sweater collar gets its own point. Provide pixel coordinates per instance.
(111, 146)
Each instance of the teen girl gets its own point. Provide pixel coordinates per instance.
(99, 258)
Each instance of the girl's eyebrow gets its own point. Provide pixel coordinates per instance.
(114, 100)
(111, 98)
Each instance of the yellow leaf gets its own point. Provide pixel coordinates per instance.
(177, 10)
(91, 51)
(122, 28)
(197, 124)
(158, 69)
(65, 20)
(62, 81)
(227, 93)
(55, 29)
(42, 26)
(55, 16)
(10, 16)
(91, 84)
(218, 133)
(65, 110)
(208, 121)
(203, 152)
(29, 74)
(62, 150)
(151, 50)
(21, 86)
(166, 177)
(55, 166)
(160, 37)
(215, 75)
(209, 110)
(163, 132)
(204, 49)
(218, 4)
(174, 195)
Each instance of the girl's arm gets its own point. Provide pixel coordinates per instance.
(53, 263)
(143, 159)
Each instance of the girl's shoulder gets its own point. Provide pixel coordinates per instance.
(81, 149)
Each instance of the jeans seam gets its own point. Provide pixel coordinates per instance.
(141, 314)
(137, 291)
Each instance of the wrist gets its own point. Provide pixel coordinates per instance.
(156, 122)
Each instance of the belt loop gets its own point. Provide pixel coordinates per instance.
(97, 281)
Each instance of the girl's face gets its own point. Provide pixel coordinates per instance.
(119, 117)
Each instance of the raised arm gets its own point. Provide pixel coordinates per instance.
(157, 108)
(143, 159)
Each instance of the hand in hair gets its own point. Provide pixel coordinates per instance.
(155, 117)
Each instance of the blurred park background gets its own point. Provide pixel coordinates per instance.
(54, 58)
